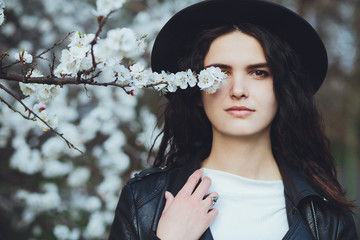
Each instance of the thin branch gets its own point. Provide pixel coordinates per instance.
(3, 55)
(53, 46)
(13, 109)
(43, 52)
(70, 145)
(52, 66)
(67, 81)
(101, 22)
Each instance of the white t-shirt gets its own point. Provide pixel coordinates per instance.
(248, 209)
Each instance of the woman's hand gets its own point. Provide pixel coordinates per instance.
(190, 213)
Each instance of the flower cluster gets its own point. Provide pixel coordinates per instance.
(24, 57)
(43, 94)
(109, 53)
(50, 119)
(77, 57)
(104, 7)
(41, 91)
(208, 80)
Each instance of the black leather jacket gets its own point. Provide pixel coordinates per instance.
(142, 201)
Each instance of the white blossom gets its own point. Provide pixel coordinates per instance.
(137, 69)
(122, 73)
(123, 38)
(158, 78)
(27, 88)
(45, 92)
(140, 48)
(51, 119)
(42, 92)
(104, 7)
(205, 80)
(24, 56)
(170, 79)
(119, 43)
(210, 79)
(181, 80)
(191, 78)
(140, 76)
(77, 57)
(80, 43)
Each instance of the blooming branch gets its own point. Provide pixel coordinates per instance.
(89, 60)
(70, 145)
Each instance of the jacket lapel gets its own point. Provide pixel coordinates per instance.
(190, 166)
(296, 189)
(298, 229)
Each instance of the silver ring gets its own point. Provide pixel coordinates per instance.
(214, 200)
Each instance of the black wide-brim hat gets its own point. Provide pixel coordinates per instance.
(180, 31)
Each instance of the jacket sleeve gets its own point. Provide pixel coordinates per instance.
(346, 229)
(125, 221)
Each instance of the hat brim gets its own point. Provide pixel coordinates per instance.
(181, 29)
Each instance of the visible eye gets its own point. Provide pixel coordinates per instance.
(226, 71)
(260, 74)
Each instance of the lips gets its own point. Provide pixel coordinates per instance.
(239, 111)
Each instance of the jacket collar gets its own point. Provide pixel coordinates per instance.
(296, 188)
(190, 165)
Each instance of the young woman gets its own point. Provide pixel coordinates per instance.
(251, 160)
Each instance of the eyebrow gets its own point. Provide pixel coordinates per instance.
(249, 67)
(258, 65)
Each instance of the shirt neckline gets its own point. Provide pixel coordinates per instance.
(235, 176)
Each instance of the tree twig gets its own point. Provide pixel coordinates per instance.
(53, 46)
(13, 109)
(43, 52)
(70, 145)
(67, 81)
(101, 22)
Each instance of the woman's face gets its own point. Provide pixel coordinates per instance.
(245, 104)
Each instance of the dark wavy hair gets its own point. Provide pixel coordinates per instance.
(297, 132)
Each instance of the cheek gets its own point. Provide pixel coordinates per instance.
(266, 96)
(210, 103)
(213, 98)
(270, 101)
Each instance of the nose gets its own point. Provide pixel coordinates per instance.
(238, 88)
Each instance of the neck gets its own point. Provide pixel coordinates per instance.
(249, 156)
